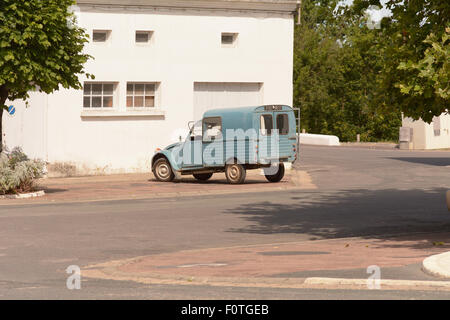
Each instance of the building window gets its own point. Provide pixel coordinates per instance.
(437, 126)
(141, 95)
(229, 39)
(100, 35)
(98, 95)
(143, 37)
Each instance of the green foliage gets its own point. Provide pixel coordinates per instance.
(350, 79)
(18, 173)
(432, 73)
(39, 46)
(337, 62)
(403, 78)
(16, 156)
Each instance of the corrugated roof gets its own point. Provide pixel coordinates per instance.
(254, 5)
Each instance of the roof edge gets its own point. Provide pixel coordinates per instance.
(287, 6)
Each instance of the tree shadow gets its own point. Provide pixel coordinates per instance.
(389, 214)
(441, 162)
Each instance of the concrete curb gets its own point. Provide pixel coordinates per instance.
(23, 195)
(319, 139)
(438, 265)
(385, 284)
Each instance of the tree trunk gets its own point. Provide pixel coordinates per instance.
(3, 97)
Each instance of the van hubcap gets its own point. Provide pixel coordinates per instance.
(233, 172)
(163, 170)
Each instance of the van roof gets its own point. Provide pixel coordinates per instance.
(222, 111)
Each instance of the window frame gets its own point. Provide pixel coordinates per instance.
(113, 95)
(234, 35)
(150, 37)
(285, 115)
(144, 95)
(107, 36)
(267, 133)
(219, 136)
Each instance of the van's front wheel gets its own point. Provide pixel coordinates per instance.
(163, 171)
(277, 176)
(235, 173)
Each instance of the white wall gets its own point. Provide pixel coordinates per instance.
(424, 136)
(26, 127)
(185, 48)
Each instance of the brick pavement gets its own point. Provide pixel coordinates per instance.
(144, 186)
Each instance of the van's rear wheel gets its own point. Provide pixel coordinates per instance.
(235, 173)
(202, 176)
(274, 177)
(163, 171)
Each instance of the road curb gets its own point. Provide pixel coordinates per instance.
(23, 195)
(438, 265)
(385, 284)
(110, 271)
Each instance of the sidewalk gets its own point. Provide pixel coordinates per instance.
(284, 265)
(144, 186)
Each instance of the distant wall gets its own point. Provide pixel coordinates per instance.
(435, 135)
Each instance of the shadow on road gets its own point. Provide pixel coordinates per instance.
(375, 214)
(441, 162)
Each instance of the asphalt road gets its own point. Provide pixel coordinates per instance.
(376, 194)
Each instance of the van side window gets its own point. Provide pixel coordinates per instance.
(266, 125)
(283, 124)
(212, 128)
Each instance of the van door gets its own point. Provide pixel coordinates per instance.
(266, 124)
(212, 142)
(285, 124)
(192, 148)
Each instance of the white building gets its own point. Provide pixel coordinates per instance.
(421, 135)
(158, 64)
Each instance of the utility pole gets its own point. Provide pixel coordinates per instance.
(299, 12)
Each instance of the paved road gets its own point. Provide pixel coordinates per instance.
(369, 194)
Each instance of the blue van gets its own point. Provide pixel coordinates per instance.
(232, 141)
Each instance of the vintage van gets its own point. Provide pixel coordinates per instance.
(232, 141)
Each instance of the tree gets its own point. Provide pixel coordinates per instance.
(407, 30)
(41, 48)
(337, 63)
(432, 73)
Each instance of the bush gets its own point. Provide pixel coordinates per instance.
(18, 173)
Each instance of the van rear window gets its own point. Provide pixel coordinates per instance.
(283, 124)
(266, 125)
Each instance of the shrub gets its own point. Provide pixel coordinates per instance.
(18, 173)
